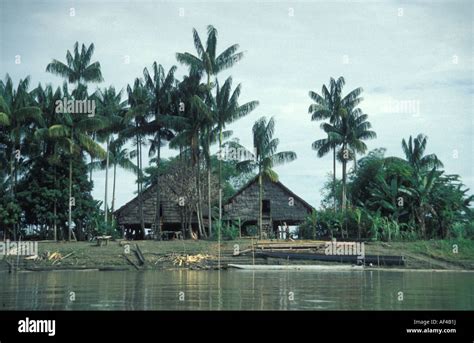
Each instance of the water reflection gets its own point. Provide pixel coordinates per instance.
(236, 290)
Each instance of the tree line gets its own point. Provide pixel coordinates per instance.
(48, 157)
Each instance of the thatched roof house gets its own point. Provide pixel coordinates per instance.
(128, 216)
(280, 205)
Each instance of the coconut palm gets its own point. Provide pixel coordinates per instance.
(160, 87)
(76, 129)
(328, 106)
(135, 122)
(207, 61)
(194, 120)
(414, 153)
(78, 70)
(349, 132)
(266, 157)
(110, 109)
(226, 110)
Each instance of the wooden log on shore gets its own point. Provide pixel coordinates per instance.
(288, 246)
(131, 262)
(140, 256)
(55, 268)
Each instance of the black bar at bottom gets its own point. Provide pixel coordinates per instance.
(409, 326)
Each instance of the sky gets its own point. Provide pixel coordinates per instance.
(414, 60)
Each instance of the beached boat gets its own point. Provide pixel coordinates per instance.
(376, 260)
(296, 267)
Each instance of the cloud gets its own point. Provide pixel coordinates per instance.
(394, 58)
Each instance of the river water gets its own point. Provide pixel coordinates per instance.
(237, 290)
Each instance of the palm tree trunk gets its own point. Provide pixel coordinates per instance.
(209, 208)
(140, 201)
(220, 177)
(344, 167)
(199, 203)
(334, 176)
(106, 182)
(12, 185)
(260, 208)
(92, 160)
(55, 209)
(113, 188)
(158, 195)
(70, 196)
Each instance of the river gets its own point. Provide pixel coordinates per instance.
(237, 290)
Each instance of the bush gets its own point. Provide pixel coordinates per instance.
(462, 230)
(228, 232)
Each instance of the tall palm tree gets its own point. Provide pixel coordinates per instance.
(160, 87)
(194, 120)
(110, 109)
(414, 152)
(52, 147)
(226, 110)
(267, 157)
(78, 70)
(328, 106)
(135, 122)
(76, 129)
(349, 132)
(207, 61)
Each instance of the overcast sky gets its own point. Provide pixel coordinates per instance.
(418, 52)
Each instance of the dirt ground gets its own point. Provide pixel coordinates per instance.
(200, 254)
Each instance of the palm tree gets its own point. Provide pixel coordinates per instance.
(110, 109)
(194, 120)
(210, 63)
(78, 70)
(117, 156)
(328, 106)
(51, 146)
(414, 153)
(135, 122)
(21, 117)
(75, 130)
(226, 110)
(266, 157)
(160, 88)
(349, 132)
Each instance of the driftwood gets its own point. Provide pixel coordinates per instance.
(51, 268)
(71, 253)
(140, 256)
(243, 252)
(131, 262)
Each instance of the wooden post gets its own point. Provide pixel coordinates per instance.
(240, 229)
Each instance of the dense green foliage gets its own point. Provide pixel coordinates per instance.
(397, 199)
